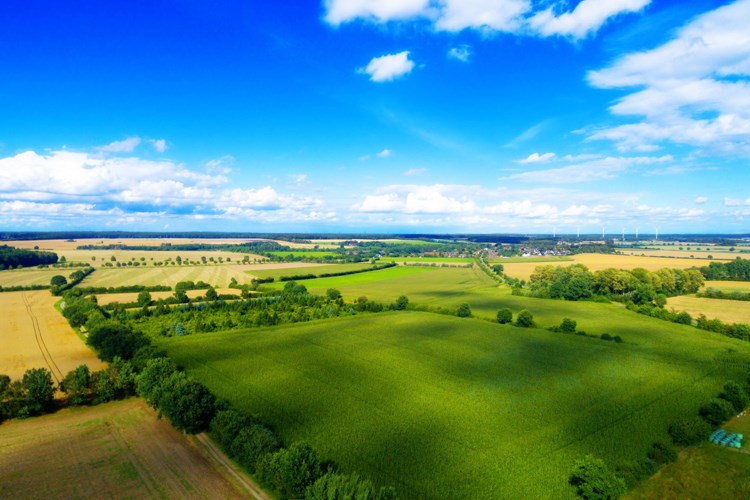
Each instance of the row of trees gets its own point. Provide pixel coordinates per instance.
(638, 285)
(11, 257)
(736, 270)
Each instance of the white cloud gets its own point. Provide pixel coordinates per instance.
(593, 170)
(461, 53)
(494, 15)
(380, 203)
(388, 67)
(159, 145)
(341, 11)
(700, 200)
(537, 158)
(413, 172)
(730, 202)
(587, 17)
(386, 153)
(125, 146)
(691, 90)
(299, 179)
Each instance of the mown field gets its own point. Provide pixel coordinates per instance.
(35, 335)
(98, 258)
(28, 277)
(597, 262)
(732, 311)
(729, 286)
(277, 272)
(125, 298)
(218, 276)
(113, 450)
(444, 407)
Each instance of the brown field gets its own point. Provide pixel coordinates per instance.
(57, 245)
(732, 311)
(124, 298)
(729, 286)
(35, 335)
(31, 276)
(598, 261)
(114, 450)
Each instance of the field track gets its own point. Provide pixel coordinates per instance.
(43, 349)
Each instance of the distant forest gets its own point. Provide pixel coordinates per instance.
(14, 257)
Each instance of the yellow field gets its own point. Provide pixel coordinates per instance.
(698, 254)
(598, 261)
(125, 298)
(57, 245)
(148, 257)
(732, 311)
(35, 335)
(729, 286)
(31, 276)
(113, 450)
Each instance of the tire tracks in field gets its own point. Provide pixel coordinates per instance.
(221, 459)
(43, 349)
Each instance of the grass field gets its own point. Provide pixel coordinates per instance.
(705, 471)
(27, 277)
(277, 272)
(35, 335)
(113, 450)
(733, 311)
(429, 260)
(729, 286)
(306, 253)
(392, 276)
(597, 262)
(444, 407)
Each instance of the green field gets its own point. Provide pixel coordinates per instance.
(305, 253)
(390, 277)
(276, 273)
(429, 260)
(444, 407)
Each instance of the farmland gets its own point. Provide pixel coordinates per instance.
(732, 311)
(391, 276)
(36, 335)
(27, 277)
(114, 450)
(729, 286)
(463, 408)
(276, 272)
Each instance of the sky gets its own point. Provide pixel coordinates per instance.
(403, 116)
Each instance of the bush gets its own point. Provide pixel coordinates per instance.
(689, 431)
(634, 471)
(593, 479)
(58, 280)
(463, 311)
(187, 403)
(606, 336)
(525, 319)
(291, 471)
(112, 339)
(683, 318)
(716, 412)
(76, 385)
(252, 443)
(736, 395)
(39, 391)
(504, 316)
(617, 339)
(662, 453)
(402, 302)
(568, 325)
(334, 486)
(226, 425)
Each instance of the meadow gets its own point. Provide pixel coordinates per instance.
(304, 254)
(444, 407)
(113, 450)
(387, 276)
(278, 272)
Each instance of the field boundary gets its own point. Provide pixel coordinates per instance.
(223, 462)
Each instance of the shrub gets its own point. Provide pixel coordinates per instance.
(716, 412)
(291, 471)
(593, 479)
(689, 431)
(252, 443)
(634, 471)
(226, 425)
(463, 311)
(58, 280)
(504, 316)
(112, 339)
(736, 395)
(568, 325)
(606, 336)
(525, 319)
(683, 318)
(662, 453)
(402, 302)
(334, 486)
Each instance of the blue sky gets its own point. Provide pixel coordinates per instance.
(527, 116)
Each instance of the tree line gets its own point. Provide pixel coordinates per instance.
(11, 257)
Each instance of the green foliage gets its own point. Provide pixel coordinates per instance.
(504, 316)
(211, 294)
(14, 257)
(76, 385)
(716, 411)
(634, 471)
(113, 339)
(683, 318)
(402, 302)
(662, 453)
(525, 319)
(226, 425)
(333, 294)
(252, 443)
(292, 470)
(149, 384)
(114, 382)
(593, 480)
(689, 431)
(39, 391)
(335, 486)
(58, 280)
(567, 326)
(188, 404)
(463, 311)
(144, 299)
(736, 395)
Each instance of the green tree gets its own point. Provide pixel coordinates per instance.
(463, 311)
(77, 385)
(187, 403)
(112, 339)
(593, 480)
(211, 294)
(149, 384)
(689, 431)
(226, 425)
(525, 319)
(716, 411)
(568, 325)
(333, 294)
(504, 316)
(402, 302)
(683, 318)
(39, 390)
(736, 395)
(335, 486)
(58, 280)
(291, 471)
(144, 299)
(252, 443)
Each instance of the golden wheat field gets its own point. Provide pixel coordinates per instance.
(35, 335)
(732, 311)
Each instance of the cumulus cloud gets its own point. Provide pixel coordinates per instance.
(691, 90)
(384, 153)
(388, 67)
(593, 170)
(461, 53)
(700, 200)
(159, 145)
(537, 158)
(125, 146)
(487, 16)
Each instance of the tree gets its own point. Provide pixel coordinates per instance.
(568, 325)
(335, 486)
(58, 280)
(736, 395)
(293, 469)
(593, 479)
(144, 299)
(226, 425)
(683, 318)
(689, 431)
(39, 389)
(333, 294)
(187, 403)
(149, 384)
(504, 316)
(76, 385)
(402, 302)
(252, 443)
(716, 411)
(463, 311)
(525, 319)
(211, 294)
(111, 339)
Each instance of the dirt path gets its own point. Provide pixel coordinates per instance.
(43, 349)
(222, 461)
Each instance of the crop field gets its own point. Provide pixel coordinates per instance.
(125, 298)
(704, 471)
(35, 335)
(729, 286)
(597, 262)
(148, 257)
(446, 407)
(673, 252)
(219, 275)
(113, 450)
(60, 245)
(277, 272)
(733, 311)
(429, 260)
(306, 253)
(32, 276)
(392, 276)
